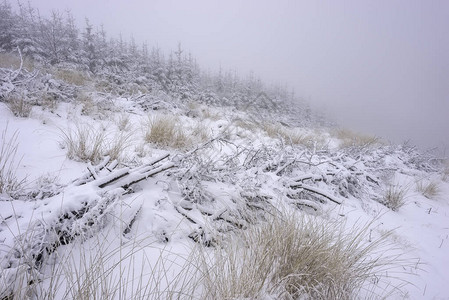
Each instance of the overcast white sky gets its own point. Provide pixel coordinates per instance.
(380, 67)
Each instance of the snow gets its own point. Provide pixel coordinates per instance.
(158, 211)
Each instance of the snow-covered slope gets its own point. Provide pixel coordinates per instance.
(119, 193)
(122, 193)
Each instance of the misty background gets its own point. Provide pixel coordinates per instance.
(375, 67)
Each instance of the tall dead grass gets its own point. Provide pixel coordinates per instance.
(19, 106)
(165, 131)
(429, 189)
(85, 142)
(9, 182)
(103, 268)
(394, 197)
(350, 139)
(296, 257)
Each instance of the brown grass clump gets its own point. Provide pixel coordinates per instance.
(351, 139)
(293, 256)
(84, 143)
(71, 76)
(12, 61)
(165, 131)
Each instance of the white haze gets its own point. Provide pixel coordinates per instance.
(379, 67)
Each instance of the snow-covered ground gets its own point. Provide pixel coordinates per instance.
(64, 217)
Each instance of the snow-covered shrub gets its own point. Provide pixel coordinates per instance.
(9, 183)
(394, 197)
(428, 189)
(165, 131)
(291, 256)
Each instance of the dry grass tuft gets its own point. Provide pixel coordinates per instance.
(19, 106)
(292, 256)
(9, 183)
(351, 139)
(201, 132)
(123, 122)
(294, 136)
(12, 61)
(394, 197)
(165, 131)
(429, 190)
(445, 175)
(119, 143)
(87, 143)
(102, 269)
(84, 142)
(70, 76)
(89, 107)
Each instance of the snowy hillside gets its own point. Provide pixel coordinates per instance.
(128, 180)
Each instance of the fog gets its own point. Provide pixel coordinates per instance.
(378, 67)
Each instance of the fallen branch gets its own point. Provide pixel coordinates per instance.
(316, 191)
